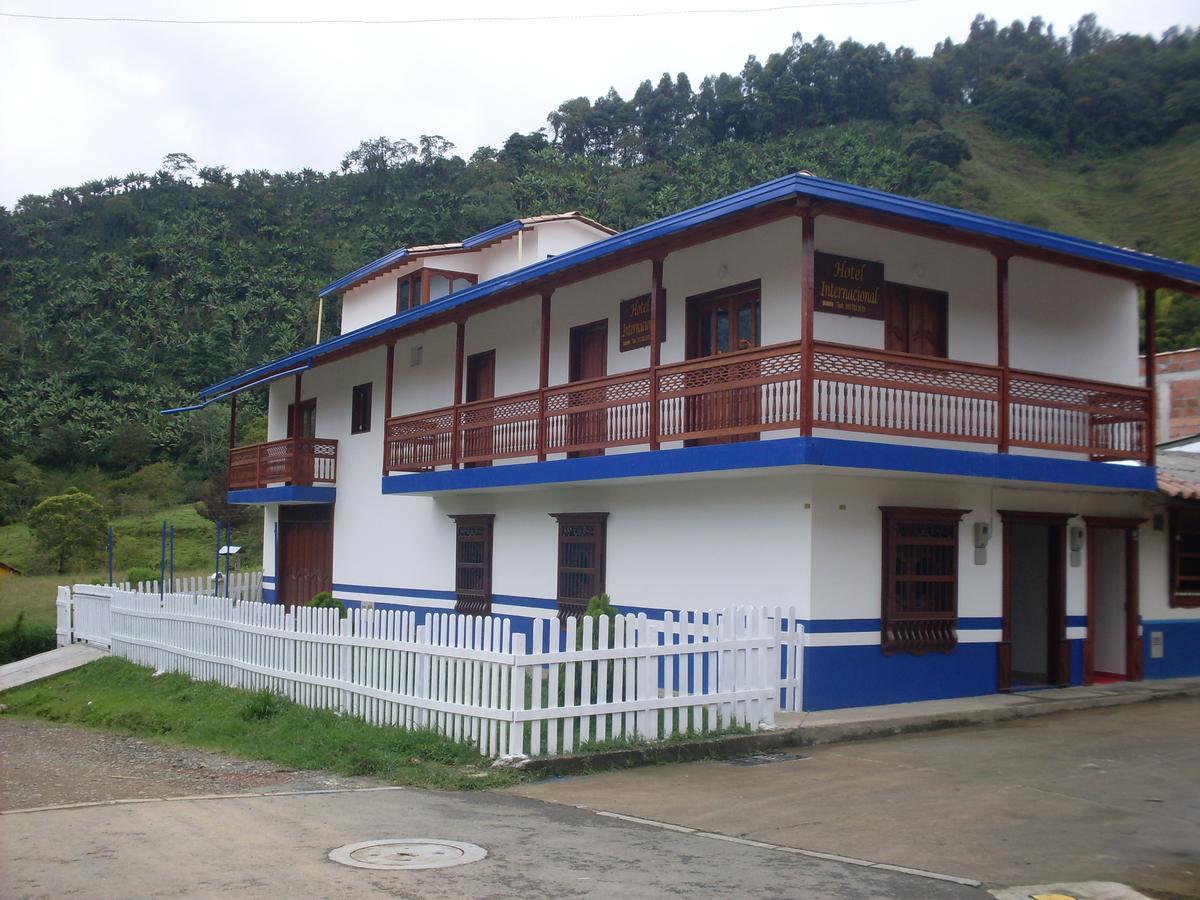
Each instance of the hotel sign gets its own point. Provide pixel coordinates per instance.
(848, 286)
(635, 323)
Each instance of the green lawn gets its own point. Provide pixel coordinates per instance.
(117, 696)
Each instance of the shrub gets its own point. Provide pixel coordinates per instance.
(20, 639)
(68, 528)
(142, 573)
(326, 600)
(261, 705)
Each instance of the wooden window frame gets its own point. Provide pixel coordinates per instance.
(474, 602)
(1178, 599)
(906, 631)
(575, 606)
(360, 408)
(421, 296)
(891, 289)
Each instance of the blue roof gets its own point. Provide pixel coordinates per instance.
(788, 186)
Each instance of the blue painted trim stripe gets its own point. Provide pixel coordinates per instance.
(784, 452)
(760, 195)
(284, 494)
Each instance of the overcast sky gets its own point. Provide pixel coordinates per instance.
(85, 100)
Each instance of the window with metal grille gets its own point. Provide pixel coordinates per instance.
(920, 579)
(581, 541)
(360, 409)
(473, 564)
(1185, 558)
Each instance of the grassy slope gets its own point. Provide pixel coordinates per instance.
(120, 697)
(1148, 199)
(138, 541)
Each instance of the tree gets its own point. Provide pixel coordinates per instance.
(68, 528)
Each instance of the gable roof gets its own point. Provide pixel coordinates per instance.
(399, 257)
(832, 194)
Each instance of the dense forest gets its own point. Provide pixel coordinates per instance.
(121, 296)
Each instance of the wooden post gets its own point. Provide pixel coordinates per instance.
(387, 402)
(543, 377)
(1152, 374)
(656, 313)
(460, 338)
(232, 442)
(808, 305)
(1002, 406)
(297, 418)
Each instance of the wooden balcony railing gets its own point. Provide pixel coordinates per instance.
(752, 391)
(305, 461)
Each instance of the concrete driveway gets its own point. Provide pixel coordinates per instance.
(1107, 794)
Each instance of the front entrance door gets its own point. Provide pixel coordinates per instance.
(308, 418)
(719, 323)
(589, 359)
(305, 553)
(1034, 650)
(1113, 649)
(481, 385)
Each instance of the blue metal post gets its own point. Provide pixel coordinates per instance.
(110, 555)
(217, 560)
(275, 557)
(228, 539)
(172, 558)
(162, 561)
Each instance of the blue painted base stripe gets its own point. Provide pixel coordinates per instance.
(784, 452)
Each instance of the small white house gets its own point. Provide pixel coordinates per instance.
(923, 427)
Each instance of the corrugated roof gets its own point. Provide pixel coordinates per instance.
(789, 186)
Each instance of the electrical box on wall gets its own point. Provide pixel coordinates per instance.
(1075, 543)
(1156, 645)
(982, 534)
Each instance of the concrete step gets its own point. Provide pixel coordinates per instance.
(43, 665)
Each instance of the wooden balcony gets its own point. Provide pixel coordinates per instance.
(303, 461)
(749, 392)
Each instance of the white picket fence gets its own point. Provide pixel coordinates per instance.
(472, 679)
(243, 586)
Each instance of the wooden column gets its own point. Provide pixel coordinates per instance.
(656, 314)
(297, 418)
(1002, 406)
(460, 337)
(543, 377)
(808, 305)
(1152, 374)
(387, 401)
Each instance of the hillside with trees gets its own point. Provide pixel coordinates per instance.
(122, 296)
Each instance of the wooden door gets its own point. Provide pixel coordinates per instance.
(1046, 569)
(481, 385)
(588, 359)
(722, 323)
(1130, 607)
(308, 418)
(915, 320)
(305, 553)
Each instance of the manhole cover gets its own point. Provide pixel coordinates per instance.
(760, 759)
(407, 853)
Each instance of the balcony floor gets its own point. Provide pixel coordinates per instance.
(284, 494)
(784, 453)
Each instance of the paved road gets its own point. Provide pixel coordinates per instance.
(1107, 794)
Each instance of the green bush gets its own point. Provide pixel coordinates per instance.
(142, 573)
(19, 639)
(326, 600)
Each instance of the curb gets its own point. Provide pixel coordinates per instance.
(831, 733)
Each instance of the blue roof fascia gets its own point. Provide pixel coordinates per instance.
(383, 262)
(759, 195)
(492, 234)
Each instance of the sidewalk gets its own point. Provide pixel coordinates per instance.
(834, 725)
(43, 665)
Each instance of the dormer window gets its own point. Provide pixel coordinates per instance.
(426, 284)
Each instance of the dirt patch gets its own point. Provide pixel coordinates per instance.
(45, 765)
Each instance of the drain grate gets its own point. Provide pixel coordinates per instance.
(407, 853)
(761, 759)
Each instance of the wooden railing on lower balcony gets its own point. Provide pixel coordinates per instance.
(753, 391)
(305, 461)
